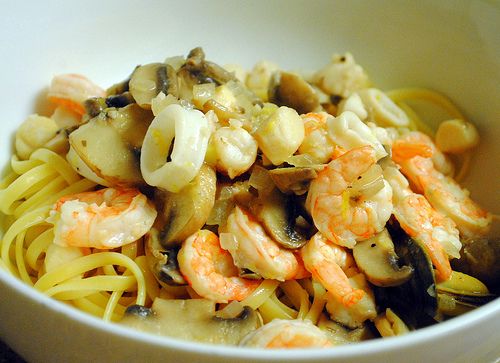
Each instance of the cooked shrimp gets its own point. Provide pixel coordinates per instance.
(422, 222)
(338, 216)
(253, 249)
(71, 91)
(417, 143)
(326, 261)
(210, 270)
(355, 315)
(316, 141)
(107, 218)
(286, 334)
(413, 153)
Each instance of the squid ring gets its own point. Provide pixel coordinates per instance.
(188, 131)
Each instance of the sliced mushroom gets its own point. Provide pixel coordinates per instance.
(415, 301)
(108, 144)
(377, 259)
(278, 214)
(461, 293)
(185, 212)
(205, 71)
(149, 80)
(290, 89)
(193, 320)
(479, 258)
(294, 180)
(162, 261)
(95, 105)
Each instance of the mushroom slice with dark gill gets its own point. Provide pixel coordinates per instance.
(162, 261)
(149, 80)
(461, 293)
(414, 301)
(294, 179)
(109, 143)
(182, 214)
(278, 214)
(192, 320)
(290, 89)
(377, 259)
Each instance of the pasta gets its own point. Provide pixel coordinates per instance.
(260, 214)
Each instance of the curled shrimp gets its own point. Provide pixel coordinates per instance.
(107, 218)
(414, 153)
(71, 91)
(416, 143)
(210, 270)
(422, 222)
(253, 249)
(282, 334)
(340, 217)
(326, 261)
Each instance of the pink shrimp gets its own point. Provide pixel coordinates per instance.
(340, 218)
(71, 91)
(210, 270)
(107, 218)
(420, 221)
(252, 248)
(327, 261)
(414, 153)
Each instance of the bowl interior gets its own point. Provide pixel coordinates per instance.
(452, 47)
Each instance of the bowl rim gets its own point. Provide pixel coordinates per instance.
(418, 337)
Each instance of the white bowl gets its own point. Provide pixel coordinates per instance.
(450, 46)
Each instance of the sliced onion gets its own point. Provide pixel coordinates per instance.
(369, 183)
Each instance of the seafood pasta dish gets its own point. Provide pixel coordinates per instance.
(263, 208)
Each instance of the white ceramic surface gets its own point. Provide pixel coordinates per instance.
(451, 46)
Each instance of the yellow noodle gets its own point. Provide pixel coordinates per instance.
(88, 263)
(90, 307)
(152, 287)
(8, 179)
(269, 311)
(23, 186)
(287, 309)
(22, 166)
(94, 283)
(101, 299)
(434, 97)
(298, 296)
(109, 270)
(20, 263)
(3, 265)
(38, 247)
(308, 286)
(80, 186)
(58, 163)
(261, 294)
(464, 167)
(41, 197)
(416, 120)
(318, 303)
(24, 222)
(111, 305)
